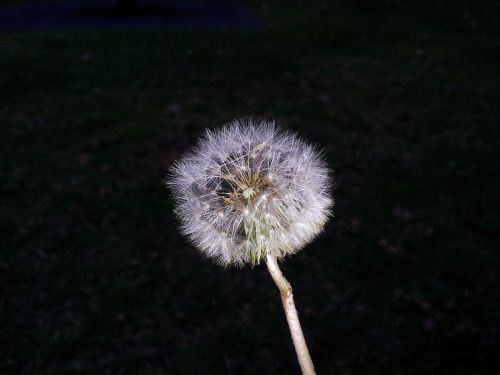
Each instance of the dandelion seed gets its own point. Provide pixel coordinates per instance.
(251, 166)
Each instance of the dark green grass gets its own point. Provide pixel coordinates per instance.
(94, 276)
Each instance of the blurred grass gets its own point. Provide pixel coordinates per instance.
(94, 276)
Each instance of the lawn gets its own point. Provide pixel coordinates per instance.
(94, 275)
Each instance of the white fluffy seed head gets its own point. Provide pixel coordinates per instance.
(249, 189)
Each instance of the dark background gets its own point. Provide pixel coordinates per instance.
(403, 96)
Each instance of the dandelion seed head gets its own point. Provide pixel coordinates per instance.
(251, 189)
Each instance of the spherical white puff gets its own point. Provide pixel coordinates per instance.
(249, 189)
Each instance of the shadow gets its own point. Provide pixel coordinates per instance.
(93, 14)
(117, 12)
(141, 9)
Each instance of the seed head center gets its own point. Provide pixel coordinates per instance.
(249, 193)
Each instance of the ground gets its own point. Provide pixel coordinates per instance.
(94, 275)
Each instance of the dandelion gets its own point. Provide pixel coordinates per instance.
(251, 192)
